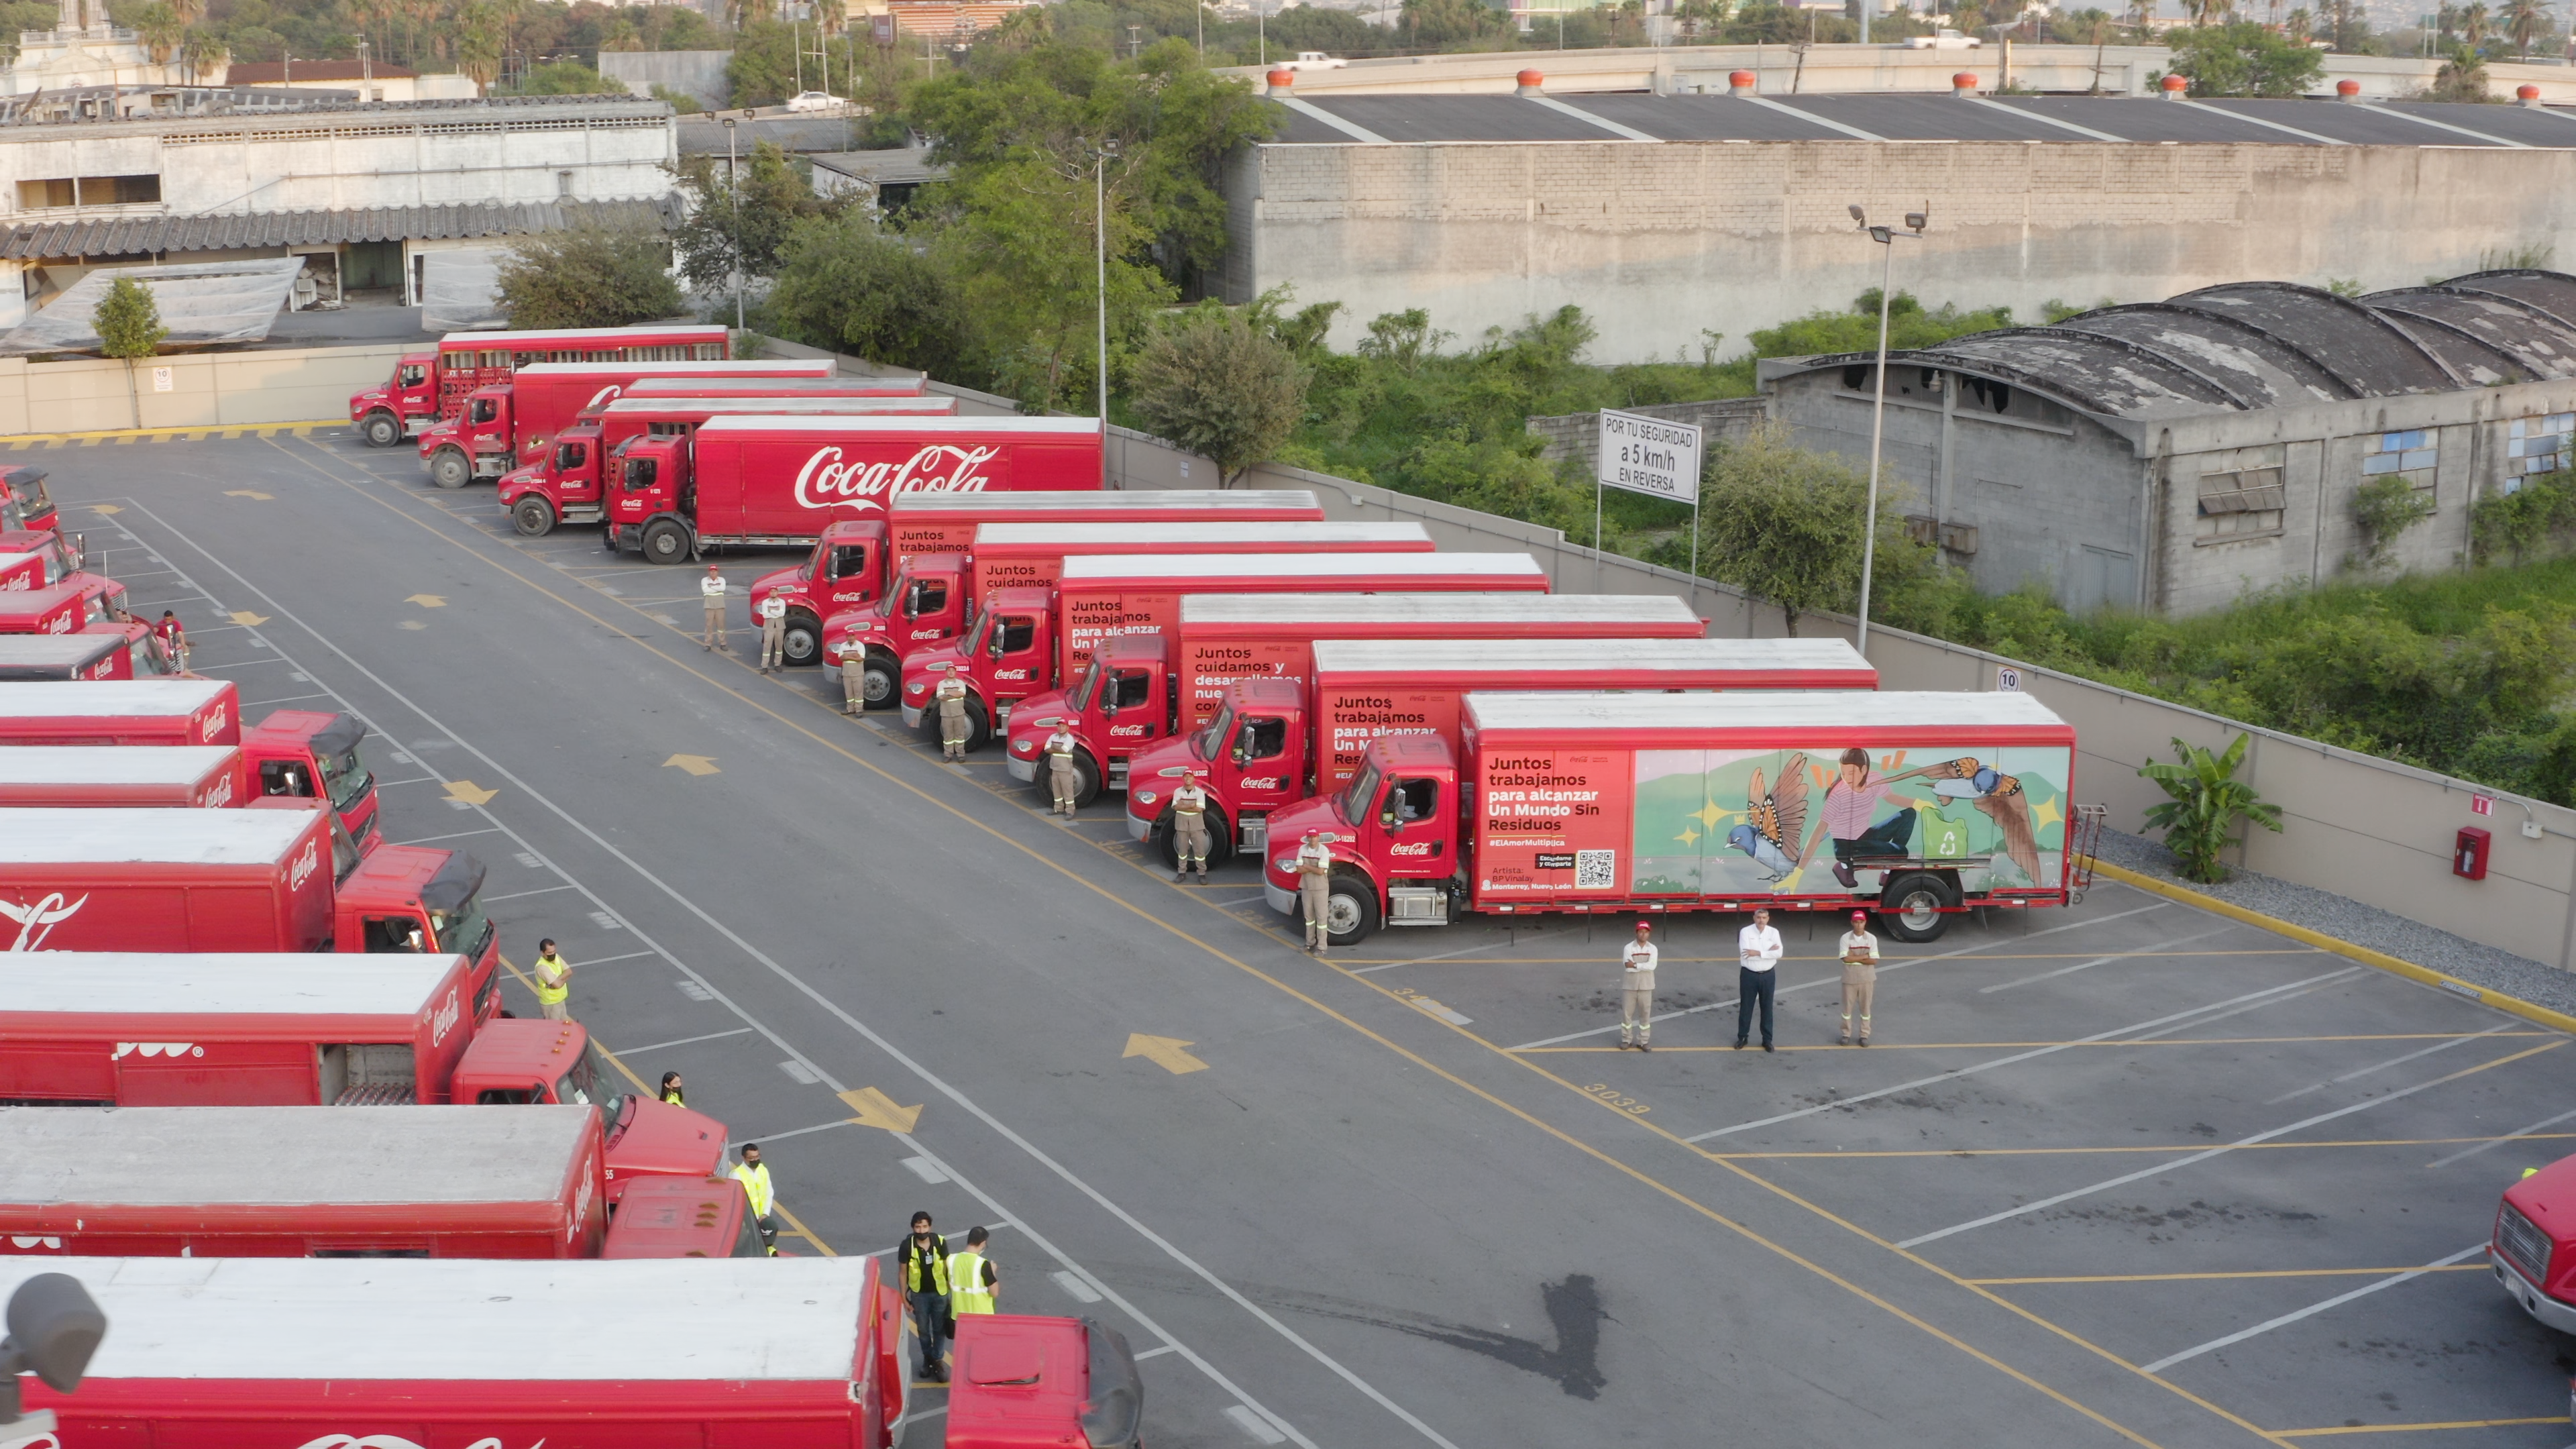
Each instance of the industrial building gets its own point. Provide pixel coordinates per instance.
(2172, 456)
(1666, 217)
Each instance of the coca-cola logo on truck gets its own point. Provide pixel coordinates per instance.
(37, 919)
(826, 481)
(304, 865)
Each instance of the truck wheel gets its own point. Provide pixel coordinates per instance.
(1350, 913)
(381, 429)
(1086, 778)
(1912, 905)
(1220, 840)
(666, 541)
(979, 730)
(803, 642)
(533, 517)
(450, 468)
(878, 681)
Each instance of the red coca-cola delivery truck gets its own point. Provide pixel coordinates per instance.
(101, 651)
(76, 603)
(24, 503)
(226, 1029)
(232, 880)
(564, 483)
(95, 777)
(922, 542)
(308, 753)
(1274, 743)
(799, 1353)
(2532, 1250)
(63, 553)
(1029, 641)
(430, 385)
(767, 483)
(1920, 805)
(22, 570)
(827, 385)
(504, 424)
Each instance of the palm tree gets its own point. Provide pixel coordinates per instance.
(2526, 21)
(203, 55)
(160, 29)
(188, 11)
(829, 16)
(2473, 23)
(2300, 25)
(481, 33)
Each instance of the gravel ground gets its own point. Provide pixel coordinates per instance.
(2350, 920)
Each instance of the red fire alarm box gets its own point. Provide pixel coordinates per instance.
(2469, 853)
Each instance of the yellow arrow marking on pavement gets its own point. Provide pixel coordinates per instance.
(247, 619)
(1164, 1052)
(250, 493)
(427, 601)
(876, 1109)
(469, 792)
(109, 509)
(694, 764)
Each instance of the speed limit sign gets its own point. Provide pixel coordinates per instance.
(2008, 678)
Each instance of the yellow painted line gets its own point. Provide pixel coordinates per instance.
(677, 660)
(2415, 1428)
(1730, 960)
(2319, 939)
(1948, 1046)
(164, 434)
(2170, 1147)
(2259, 1273)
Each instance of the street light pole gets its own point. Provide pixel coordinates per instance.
(1100, 243)
(1885, 237)
(733, 190)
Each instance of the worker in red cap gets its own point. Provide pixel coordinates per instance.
(1860, 975)
(1637, 989)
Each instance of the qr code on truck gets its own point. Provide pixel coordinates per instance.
(1596, 869)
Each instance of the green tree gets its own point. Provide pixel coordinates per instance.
(1215, 385)
(1456, 24)
(1786, 524)
(566, 78)
(844, 285)
(482, 34)
(2525, 21)
(2242, 58)
(2383, 509)
(2462, 77)
(129, 327)
(161, 30)
(589, 276)
(754, 210)
(2207, 804)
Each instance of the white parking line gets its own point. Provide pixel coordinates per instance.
(2493, 1142)
(460, 835)
(2313, 1309)
(1986, 1066)
(1255, 1425)
(2391, 1062)
(522, 895)
(684, 1041)
(2157, 949)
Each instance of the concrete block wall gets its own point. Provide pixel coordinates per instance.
(702, 74)
(207, 389)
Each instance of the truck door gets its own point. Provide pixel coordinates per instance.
(576, 472)
(926, 611)
(1127, 705)
(1414, 835)
(411, 389)
(1265, 777)
(849, 578)
(1012, 657)
(392, 933)
(286, 777)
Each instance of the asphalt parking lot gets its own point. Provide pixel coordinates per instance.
(2127, 1173)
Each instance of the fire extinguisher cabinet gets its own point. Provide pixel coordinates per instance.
(2469, 853)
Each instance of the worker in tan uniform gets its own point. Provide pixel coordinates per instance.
(951, 699)
(1315, 888)
(854, 677)
(1063, 778)
(711, 590)
(1189, 828)
(1860, 975)
(773, 634)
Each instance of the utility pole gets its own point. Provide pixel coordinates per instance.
(1100, 243)
(733, 189)
(1885, 236)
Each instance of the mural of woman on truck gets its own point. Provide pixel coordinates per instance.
(1783, 822)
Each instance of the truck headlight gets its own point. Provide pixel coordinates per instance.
(1146, 797)
(915, 688)
(1023, 746)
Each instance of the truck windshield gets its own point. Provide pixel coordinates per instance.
(592, 1082)
(1354, 802)
(1079, 702)
(465, 930)
(345, 778)
(1208, 741)
(344, 851)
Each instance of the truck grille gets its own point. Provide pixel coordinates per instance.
(2525, 1246)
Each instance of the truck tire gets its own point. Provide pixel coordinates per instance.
(879, 678)
(803, 642)
(533, 516)
(979, 729)
(380, 429)
(666, 541)
(450, 468)
(1086, 778)
(1220, 840)
(1912, 905)
(1351, 916)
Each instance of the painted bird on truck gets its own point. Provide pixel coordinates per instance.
(1998, 797)
(1773, 818)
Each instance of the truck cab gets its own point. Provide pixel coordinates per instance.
(473, 444)
(411, 898)
(24, 504)
(2533, 1248)
(1004, 658)
(314, 754)
(845, 573)
(1125, 702)
(561, 486)
(383, 414)
(1394, 836)
(76, 603)
(927, 604)
(1251, 761)
(650, 493)
(683, 1217)
(64, 554)
(1026, 1381)
(517, 1061)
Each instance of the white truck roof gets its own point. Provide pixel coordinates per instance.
(57, 648)
(1036, 427)
(757, 1319)
(1147, 568)
(1221, 609)
(155, 837)
(57, 699)
(485, 341)
(1087, 500)
(220, 983)
(110, 764)
(1543, 656)
(721, 406)
(1285, 532)
(14, 560)
(794, 367)
(177, 1156)
(1821, 710)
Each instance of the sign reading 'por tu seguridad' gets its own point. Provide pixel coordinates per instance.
(1650, 456)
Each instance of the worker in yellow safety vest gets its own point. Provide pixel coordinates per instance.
(554, 982)
(972, 1282)
(754, 1178)
(921, 1271)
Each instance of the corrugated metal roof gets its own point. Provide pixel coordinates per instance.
(146, 236)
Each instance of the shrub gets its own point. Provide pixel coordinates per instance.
(2207, 803)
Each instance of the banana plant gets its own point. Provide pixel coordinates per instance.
(2208, 801)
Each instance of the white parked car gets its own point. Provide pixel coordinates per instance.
(1313, 60)
(1944, 40)
(814, 101)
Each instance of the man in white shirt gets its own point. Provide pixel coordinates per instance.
(711, 590)
(773, 633)
(1315, 889)
(1637, 990)
(1860, 974)
(1757, 976)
